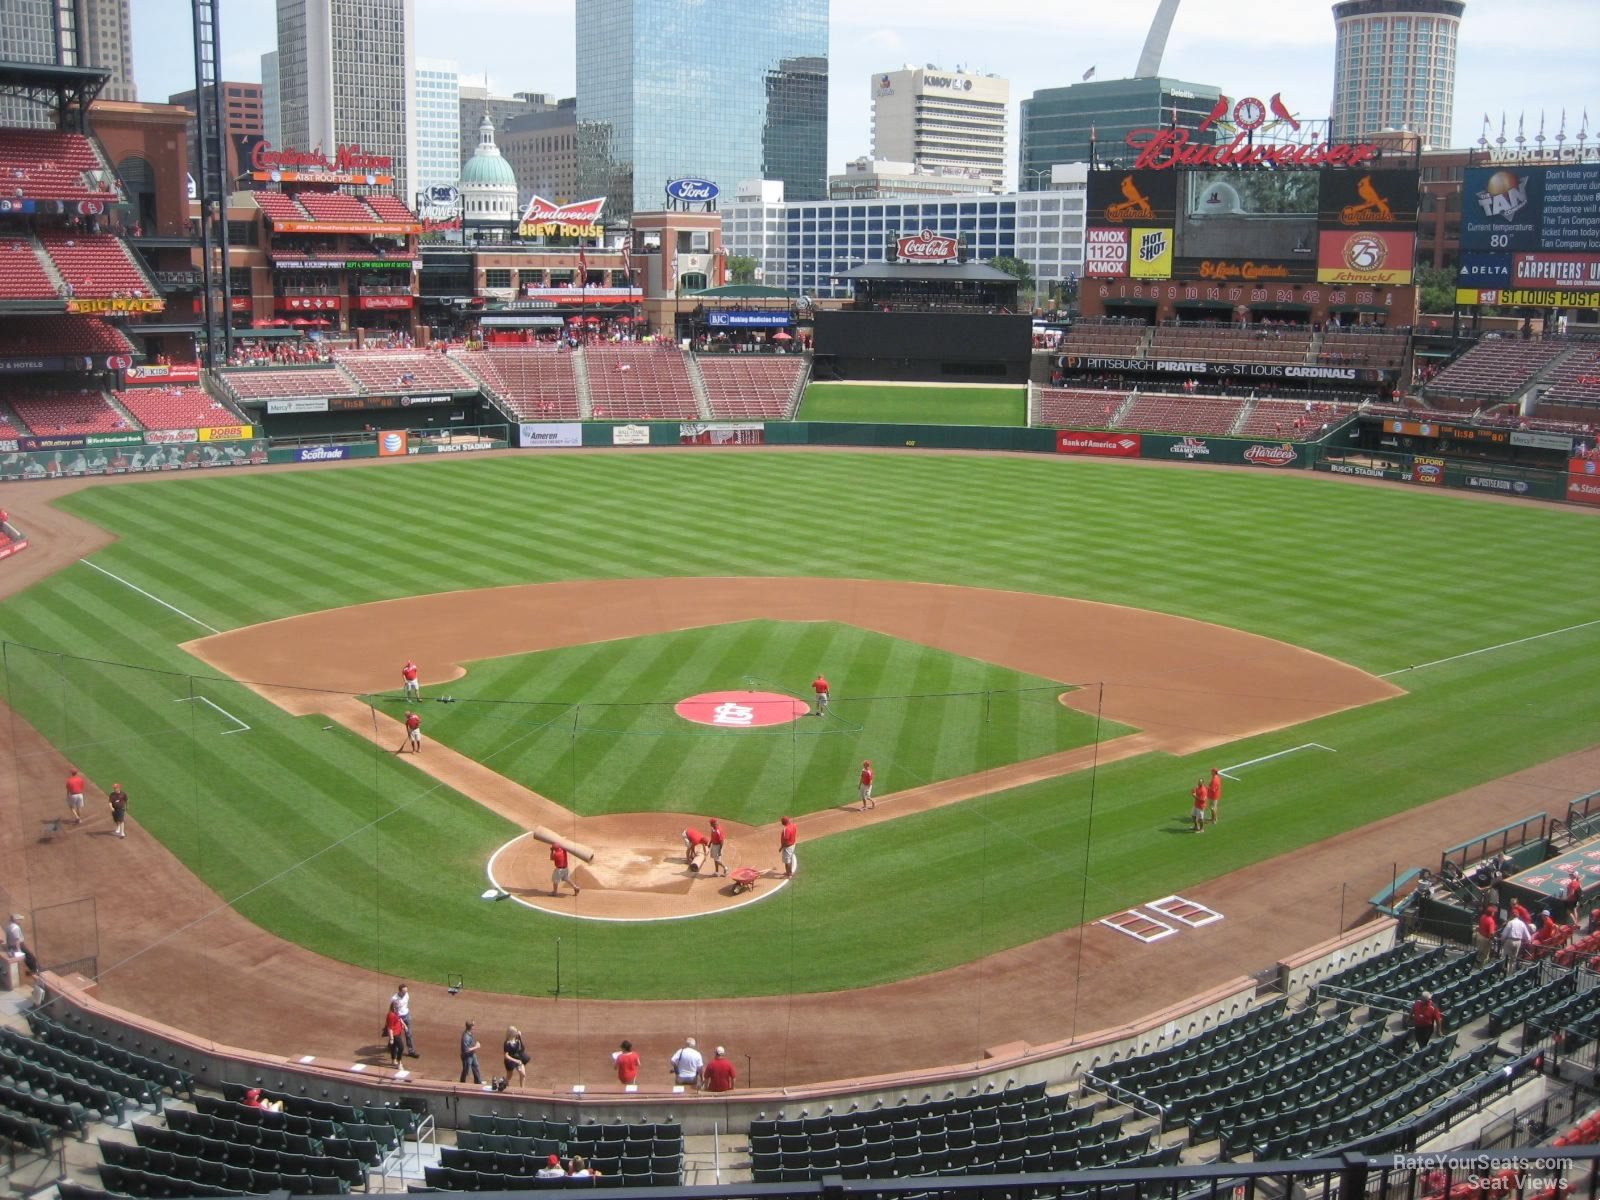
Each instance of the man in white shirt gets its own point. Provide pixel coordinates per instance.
(687, 1064)
(402, 1005)
(1513, 941)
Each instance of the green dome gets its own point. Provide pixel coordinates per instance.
(488, 170)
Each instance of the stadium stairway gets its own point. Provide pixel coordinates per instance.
(697, 381)
(1243, 419)
(49, 264)
(580, 373)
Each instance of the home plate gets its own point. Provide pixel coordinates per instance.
(1138, 925)
(1186, 911)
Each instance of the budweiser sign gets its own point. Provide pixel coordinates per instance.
(926, 247)
(346, 159)
(545, 218)
(1159, 149)
(1270, 456)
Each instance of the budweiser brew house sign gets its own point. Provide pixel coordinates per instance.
(926, 247)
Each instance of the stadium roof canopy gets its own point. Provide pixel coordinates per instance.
(968, 272)
(62, 88)
(742, 291)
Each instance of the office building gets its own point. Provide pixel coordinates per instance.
(476, 103)
(241, 119)
(722, 90)
(271, 128)
(880, 179)
(68, 33)
(438, 136)
(1394, 67)
(942, 121)
(807, 246)
(1058, 123)
(542, 149)
(370, 99)
(105, 39)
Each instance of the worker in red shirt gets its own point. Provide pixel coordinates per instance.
(718, 840)
(695, 845)
(413, 734)
(627, 1060)
(719, 1073)
(1518, 911)
(1483, 939)
(1548, 932)
(560, 871)
(866, 786)
(1198, 813)
(1426, 1019)
(788, 837)
(413, 686)
(1572, 895)
(819, 685)
(1213, 795)
(75, 785)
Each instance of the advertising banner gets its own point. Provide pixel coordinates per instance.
(1361, 470)
(1532, 208)
(119, 304)
(387, 228)
(1098, 445)
(163, 373)
(415, 401)
(562, 436)
(113, 460)
(1527, 298)
(1493, 483)
(299, 404)
(1365, 256)
(1379, 199)
(725, 433)
(1427, 470)
(1250, 270)
(630, 435)
(748, 320)
(1105, 253)
(227, 433)
(1133, 198)
(384, 301)
(1166, 366)
(1540, 440)
(1151, 256)
(109, 439)
(170, 437)
(471, 447)
(321, 453)
(1583, 490)
(309, 303)
(1480, 269)
(1280, 455)
(392, 444)
(1556, 270)
(28, 366)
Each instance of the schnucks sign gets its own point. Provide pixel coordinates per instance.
(926, 247)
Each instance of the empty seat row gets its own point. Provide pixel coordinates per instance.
(165, 1074)
(15, 1044)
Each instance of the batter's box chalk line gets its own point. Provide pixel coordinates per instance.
(1138, 925)
(242, 727)
(1189, 912)
(1228, 772)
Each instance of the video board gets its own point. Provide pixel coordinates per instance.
(1530, 236)
(1332, 226)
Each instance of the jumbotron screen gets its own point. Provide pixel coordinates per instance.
(1530, 236)
(1332, 226)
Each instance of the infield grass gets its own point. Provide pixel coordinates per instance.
(593, 726)
(878, 403)
(337, 845)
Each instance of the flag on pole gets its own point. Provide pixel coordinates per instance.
(1088, 75)
(583, 266)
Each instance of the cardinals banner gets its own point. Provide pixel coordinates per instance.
(1384, 199)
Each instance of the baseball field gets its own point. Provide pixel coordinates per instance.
(299, 817)
(872, 403)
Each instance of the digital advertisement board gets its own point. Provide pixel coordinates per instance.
(1530, 236)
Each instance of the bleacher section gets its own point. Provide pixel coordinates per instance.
(185, 407)
(1494, 370)
(499, 1153)
(751, 385)
(381, 371)
(278, 206)
(1379, 349)
(537, 384)
(1221, 343)
(388, 208)
(66, 334)
(95, 265)
(1095, 339)
(335, 206)
(1574, 384)
(22, 275)
(248, 383)
(67, 411)
(1181, 414)
(1069, 408)
(48, 164)
(642, 382)
(1288, 420)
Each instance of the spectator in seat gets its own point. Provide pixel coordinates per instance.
(1426, 1019)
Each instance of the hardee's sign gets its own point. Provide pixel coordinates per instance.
(545, 218)
(350, 159)
(1161, 149)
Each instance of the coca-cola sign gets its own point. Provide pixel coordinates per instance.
(926, 247)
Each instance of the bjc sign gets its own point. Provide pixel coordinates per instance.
(926, 247)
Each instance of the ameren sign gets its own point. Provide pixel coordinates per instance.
(1161, 149)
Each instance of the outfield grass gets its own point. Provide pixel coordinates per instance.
(593, 726)
(335, 844)
(914, 405)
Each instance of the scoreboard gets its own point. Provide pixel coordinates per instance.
(1530, 236)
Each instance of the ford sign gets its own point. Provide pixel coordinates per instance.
(693, 190)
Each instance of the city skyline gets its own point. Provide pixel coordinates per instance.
(1513, 58)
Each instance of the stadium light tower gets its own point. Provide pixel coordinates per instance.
(1155, 42)
(212, 185)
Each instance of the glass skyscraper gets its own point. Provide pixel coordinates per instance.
(723, 90)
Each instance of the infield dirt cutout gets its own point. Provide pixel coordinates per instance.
(1184, 685)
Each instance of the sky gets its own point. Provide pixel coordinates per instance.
(1514, 56)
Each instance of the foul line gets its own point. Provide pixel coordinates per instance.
(243, 728)
(148, 596)
(1225, 772)
(1532, 637)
